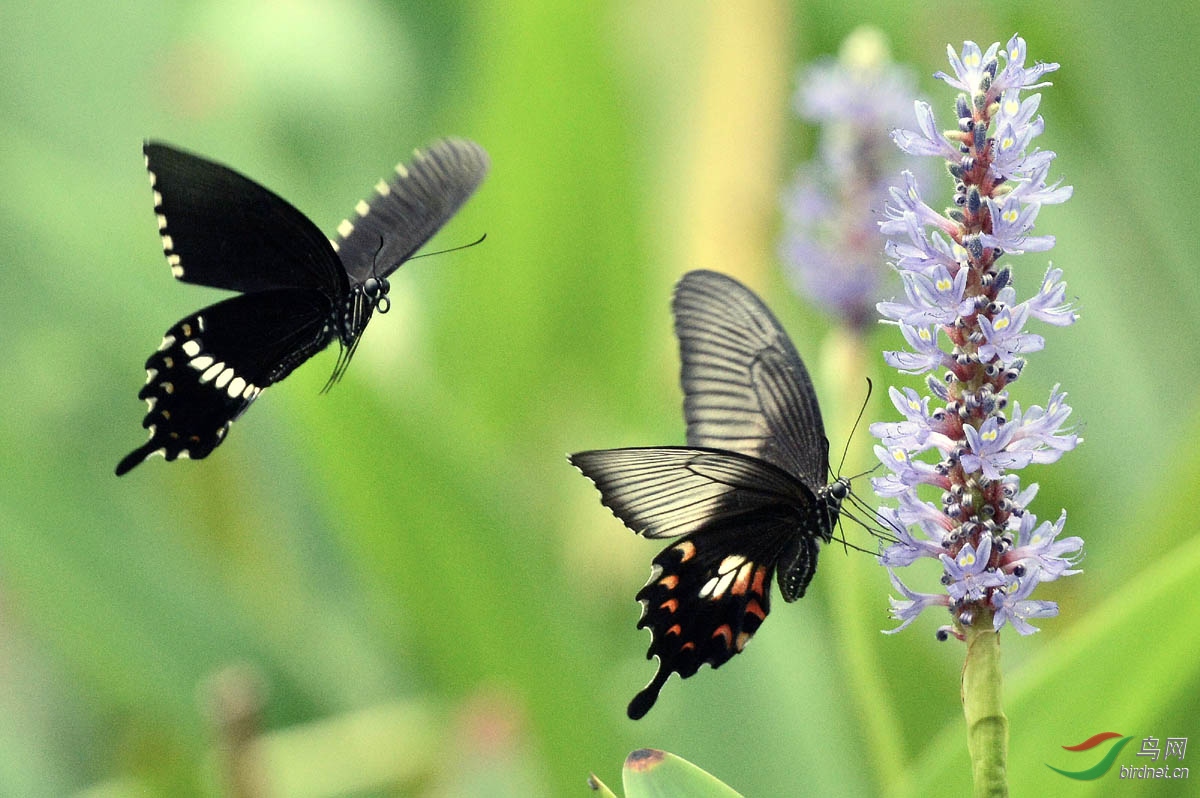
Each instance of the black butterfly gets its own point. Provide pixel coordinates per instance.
(299, 290)
(747, 496)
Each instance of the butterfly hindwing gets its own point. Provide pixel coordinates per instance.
(745, 387)
(223, 230)
(408, 209)
(212, 364)
(707, 595)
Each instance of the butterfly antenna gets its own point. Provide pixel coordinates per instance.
(382, 303)
(476, 242)
(857, 421)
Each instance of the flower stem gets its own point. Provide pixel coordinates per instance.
(987, 726)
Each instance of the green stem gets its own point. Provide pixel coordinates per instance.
(987, 727)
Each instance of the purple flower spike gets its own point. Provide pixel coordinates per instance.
(965, 328)
(831, 242)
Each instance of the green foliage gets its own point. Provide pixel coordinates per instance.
(421, 596)
(650, 773)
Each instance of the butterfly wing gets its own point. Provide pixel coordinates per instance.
(708, 593)
(745, 387)
(737, 517)
(668, 491)
(222, 229)
(408, 209)
(212, 364)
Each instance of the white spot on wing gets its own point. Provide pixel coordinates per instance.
(402, 170)
(345, 228)
(190, 348)
(236, 386)
(731, 563)
(168, 242)
(211, 372)
(201, 363)
(362, 208)
(223, 378)
(167, 341)
(727, 571)
(382, 189)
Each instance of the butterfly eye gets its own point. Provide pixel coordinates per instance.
(375, 287)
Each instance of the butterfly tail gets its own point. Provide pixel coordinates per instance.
(643, 701)
(134, 458)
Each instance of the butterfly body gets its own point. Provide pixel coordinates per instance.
(298, 290)
(746, 499)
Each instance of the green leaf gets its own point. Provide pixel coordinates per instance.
(600, 787)
(650, 773)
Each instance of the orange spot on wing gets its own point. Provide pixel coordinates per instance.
(686, 550)
(760, 578)
(670, 582)
(754, 608)
(724, 631)
(688, 646)
(670, 605)
(674, 630)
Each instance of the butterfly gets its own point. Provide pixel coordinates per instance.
(299, 291)
(747, 497)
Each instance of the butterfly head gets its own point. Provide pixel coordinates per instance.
(352, 318)
(834, 494)
(375, 289)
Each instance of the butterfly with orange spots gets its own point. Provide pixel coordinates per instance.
(746, 497)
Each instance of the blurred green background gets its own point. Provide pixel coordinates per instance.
(401, 587)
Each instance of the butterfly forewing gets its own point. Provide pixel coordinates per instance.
(662, 492)
(408, 209)
(745, 387)
(223, 230)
